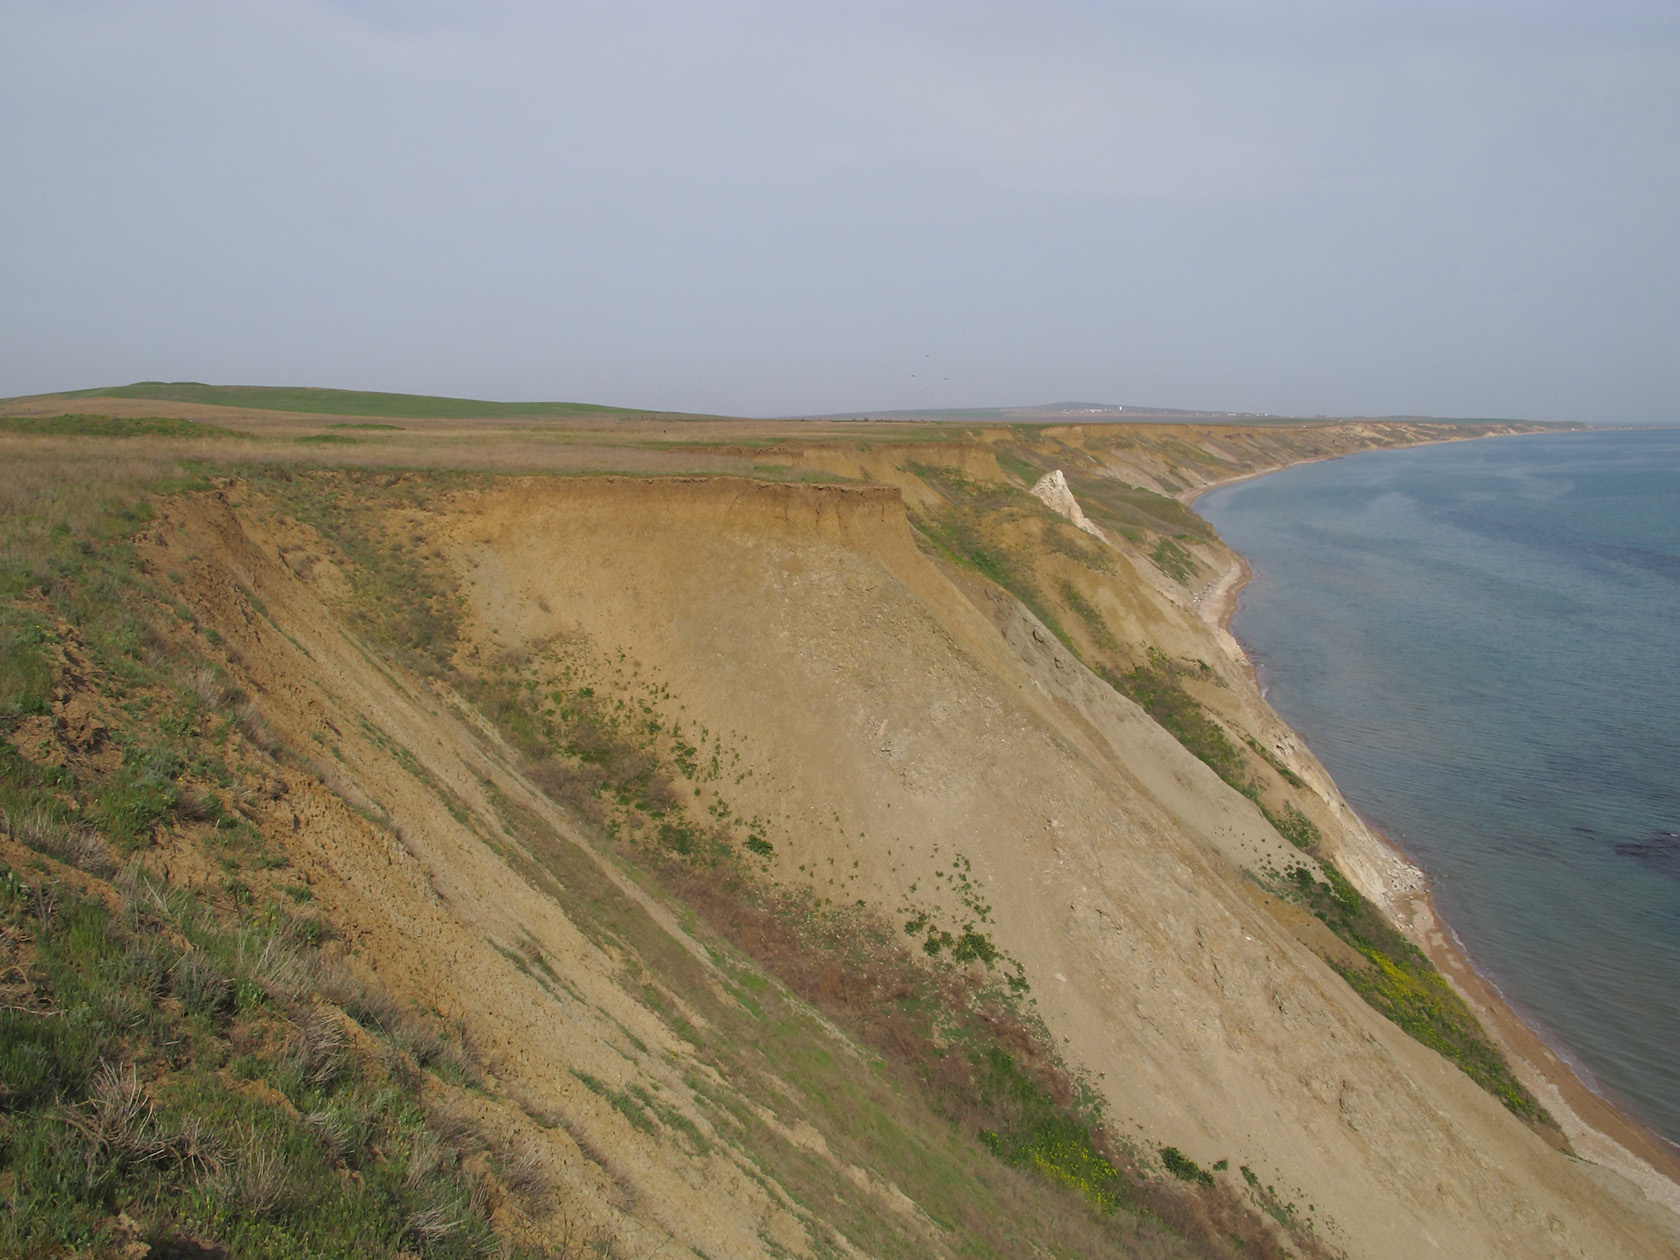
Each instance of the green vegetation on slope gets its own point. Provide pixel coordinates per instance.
(1171, 557)
(1405, 986)
(144, 1059)
(403, 598)
(967, 533)
(1156, 687)
(1400, 982)
(1133, 511)
(345, 402)
(184, 1068)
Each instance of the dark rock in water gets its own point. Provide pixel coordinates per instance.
(1661, 852)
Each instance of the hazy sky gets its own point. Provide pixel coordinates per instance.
(1450, 208)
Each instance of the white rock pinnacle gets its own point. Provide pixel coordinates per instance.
(1052, 488)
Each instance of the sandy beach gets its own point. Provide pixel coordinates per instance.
(1597, 1130)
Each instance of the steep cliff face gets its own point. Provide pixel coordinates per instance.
(898, 718)
(579, 766)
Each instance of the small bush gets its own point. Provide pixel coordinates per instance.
(1183, 1167)
(255, 727)
(112, 427)
(407, 1031)
(317, 1045)
(146, 966)
(211, 691)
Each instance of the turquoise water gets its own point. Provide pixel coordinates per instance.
(1481, 641)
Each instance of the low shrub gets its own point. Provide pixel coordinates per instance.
(1183, 1167)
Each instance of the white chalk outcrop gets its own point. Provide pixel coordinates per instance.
(1052, 488)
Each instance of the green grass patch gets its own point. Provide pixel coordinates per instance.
(1033, 1131)
(1157, 689)
(1174, 559)
(405, 596)
(1134, 510)
(1023, 471)
(1294, 826)
(112, 427)
(1098, 629)
(115, 1098)
(128, 803)
(131, 1017)
(26, 675)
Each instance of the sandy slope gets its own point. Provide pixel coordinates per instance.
(893, 716)
(891, 726)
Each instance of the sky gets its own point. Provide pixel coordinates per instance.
(1465, 208)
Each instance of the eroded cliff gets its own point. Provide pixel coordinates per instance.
(742, 867)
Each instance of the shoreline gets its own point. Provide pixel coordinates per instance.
(1598, 1130)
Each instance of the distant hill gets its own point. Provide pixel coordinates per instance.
(373, 405)
(1101, 413)
(1045, 412)
(342, 402)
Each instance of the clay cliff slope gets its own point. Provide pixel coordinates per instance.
(731, 867)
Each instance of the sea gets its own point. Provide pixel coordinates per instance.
(1481, 642)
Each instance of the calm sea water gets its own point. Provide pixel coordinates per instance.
(1481, 641)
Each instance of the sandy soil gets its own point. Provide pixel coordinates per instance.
(895, 712)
